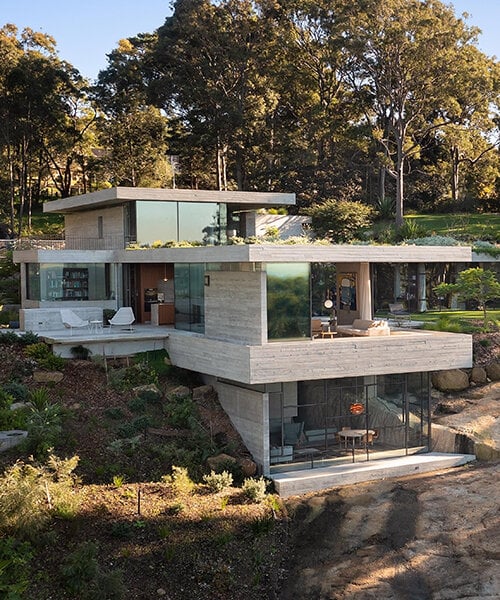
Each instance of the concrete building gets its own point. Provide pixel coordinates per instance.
(285, 333)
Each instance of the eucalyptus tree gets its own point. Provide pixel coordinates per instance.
(38, 96)
(472, 130)
(131, 131)
(407, 55)
(211, 78)
(317, 140)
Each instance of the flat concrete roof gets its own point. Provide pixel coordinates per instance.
(119, 195)
(257, 253)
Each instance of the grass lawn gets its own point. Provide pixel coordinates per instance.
(466, 315)
(463, 226)
(466, 321)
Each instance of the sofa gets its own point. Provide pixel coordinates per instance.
(365, 327)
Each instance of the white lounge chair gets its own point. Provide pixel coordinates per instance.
(72, 320)
(124, 317)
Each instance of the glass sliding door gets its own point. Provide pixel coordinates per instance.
(189, 297)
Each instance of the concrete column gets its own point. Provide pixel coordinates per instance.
(421, 288)
(364, 292)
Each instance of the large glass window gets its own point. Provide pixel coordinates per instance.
(288, 300)
(156, 221)
(203, 222)
(70, 281)
(190, 297)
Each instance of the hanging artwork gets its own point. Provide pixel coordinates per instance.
(347, 291)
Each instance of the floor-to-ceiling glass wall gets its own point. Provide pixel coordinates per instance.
(352, 419)
(189, 296)
(288, 301)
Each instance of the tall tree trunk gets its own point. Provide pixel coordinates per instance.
(455, 165)
(381, 184)
(399, 183)
(12, 192)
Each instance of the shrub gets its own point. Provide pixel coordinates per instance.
(435, 240)
(39, 398)
(129, 377)
(37, 351)
(80, 568)
(340, 221)
(30, 494)
(15, 557)
(385, 208)
(181, 411)
(217, 482)
(84, 578)
(43, 356)
(114, 412)
(410, 230)
(180, 480)
(28, 338)
(6, 399)
(234, 468)
(44, 429)
(254, 489)
(138, 425)
(18, 390)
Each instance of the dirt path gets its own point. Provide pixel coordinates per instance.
(417, 538)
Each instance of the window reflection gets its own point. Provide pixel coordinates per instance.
(69, 281)
(202, 222)
(288, 300)
(190, 297)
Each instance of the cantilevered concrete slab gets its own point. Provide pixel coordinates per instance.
(294, 483)
(120, 195)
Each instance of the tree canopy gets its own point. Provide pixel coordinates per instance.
(334, 100)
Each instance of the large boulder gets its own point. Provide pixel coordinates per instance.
(478, 375)
(452, 380)
(493, 371)
(215, 463)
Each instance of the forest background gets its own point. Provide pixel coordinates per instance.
(388, 103)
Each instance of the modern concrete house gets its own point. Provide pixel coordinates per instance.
(285, 333)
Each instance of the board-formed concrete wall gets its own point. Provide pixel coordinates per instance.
(248, 411)
(82, 230)
(235, 306)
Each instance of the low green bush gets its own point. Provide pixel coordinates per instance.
(42, 354)
(181, 411)
(6, 399)
(15, 558)
(44, 427)
(18, 390)
(31, 494)
(80, 568)
(217, 482)
(254, 489)
(39, 398)
(180, 481)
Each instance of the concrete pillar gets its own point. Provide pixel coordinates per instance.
(364, 292)
(421, 288)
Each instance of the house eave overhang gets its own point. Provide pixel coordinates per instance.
(258, 253)
(121, 195)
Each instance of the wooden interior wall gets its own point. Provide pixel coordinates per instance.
(150, 276)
